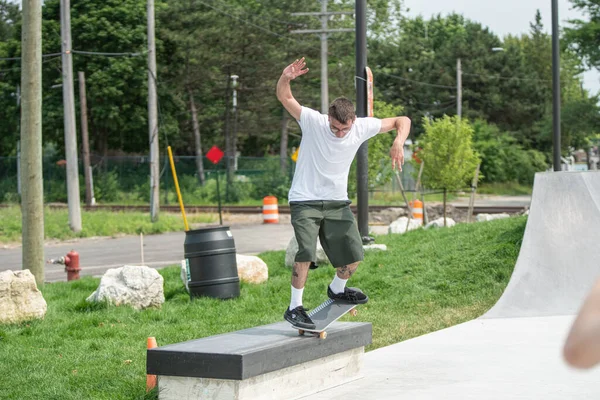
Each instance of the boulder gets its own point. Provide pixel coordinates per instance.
(439, 223)
(136, 286)
(399, 225)
(490, 217)
(251, 269)
(388, 215)
(292, 249)
(20, 299)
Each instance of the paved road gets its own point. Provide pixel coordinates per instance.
(97, 255)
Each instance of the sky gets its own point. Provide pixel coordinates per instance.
(505, 17)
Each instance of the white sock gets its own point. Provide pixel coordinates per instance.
(296, 298)
(338, 284)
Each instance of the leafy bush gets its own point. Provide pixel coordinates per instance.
(271, 183)
(106, 186)
(502, 158)
(448, 153)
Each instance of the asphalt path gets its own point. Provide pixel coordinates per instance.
(99, 254)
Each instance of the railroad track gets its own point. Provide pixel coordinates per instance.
(283, 209)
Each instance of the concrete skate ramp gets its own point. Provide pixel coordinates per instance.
(501, 355)
(560, 253)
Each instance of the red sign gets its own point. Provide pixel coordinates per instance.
(214, 154)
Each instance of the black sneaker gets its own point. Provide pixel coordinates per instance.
(349, 295)
(298, 317)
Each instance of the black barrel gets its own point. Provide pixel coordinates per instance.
(211, 264)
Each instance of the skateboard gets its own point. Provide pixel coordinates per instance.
(326, 314)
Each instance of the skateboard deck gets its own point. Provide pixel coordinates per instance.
(326, 314)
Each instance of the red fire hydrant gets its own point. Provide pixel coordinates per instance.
(71, 263)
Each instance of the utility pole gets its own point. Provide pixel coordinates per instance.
(362, 157)
(556, 87)
(324, 31)
(152, 116)
(32, 200)
(85, 139)
(19, 143)
(234, 85)
(69, 118)
(458, 88)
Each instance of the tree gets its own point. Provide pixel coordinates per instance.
(582, 36)
(9, 16)
(503, 159)
(448, 154)
(10, 71)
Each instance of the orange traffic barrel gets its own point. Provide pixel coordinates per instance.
(417, 210)
(270, 210)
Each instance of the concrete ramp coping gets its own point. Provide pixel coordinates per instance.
(270, 361)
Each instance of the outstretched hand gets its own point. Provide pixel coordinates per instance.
(295, 69)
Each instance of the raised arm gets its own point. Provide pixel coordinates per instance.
(284, 91)
(402, 127)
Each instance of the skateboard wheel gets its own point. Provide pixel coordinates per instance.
(354, 312)
(323, 335)
(300, 332)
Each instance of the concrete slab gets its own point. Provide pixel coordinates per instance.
(255, 351)
(283, 384)
(515, 358)
(514, 351)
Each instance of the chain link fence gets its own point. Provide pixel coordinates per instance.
(126, 180)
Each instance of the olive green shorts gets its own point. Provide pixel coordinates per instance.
(332, 222)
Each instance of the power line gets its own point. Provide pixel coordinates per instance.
(243, 20)
(508, 77)
(18, 68)
(414, 81)
(87, 53)
(19, 58)
(253, 24)
(95, 53)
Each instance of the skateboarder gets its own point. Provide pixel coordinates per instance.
(318, 196)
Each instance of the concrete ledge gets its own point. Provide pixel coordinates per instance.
(286, 384)
(251, 352)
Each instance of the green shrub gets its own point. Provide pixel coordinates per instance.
(106, 186)
(271, 183)
(502, 158)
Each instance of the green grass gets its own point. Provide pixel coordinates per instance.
(427, 280)
(96, 223)
(505, 189)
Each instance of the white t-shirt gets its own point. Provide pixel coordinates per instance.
(324, 160)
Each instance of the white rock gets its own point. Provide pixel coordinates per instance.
(439, 223)
(399, 225)
(20, 299)
(381, 247)
(184, 275)
(139, 287)
(292, 249)
(489, 217)
(251, 269)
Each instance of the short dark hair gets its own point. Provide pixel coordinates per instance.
(342, 110)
